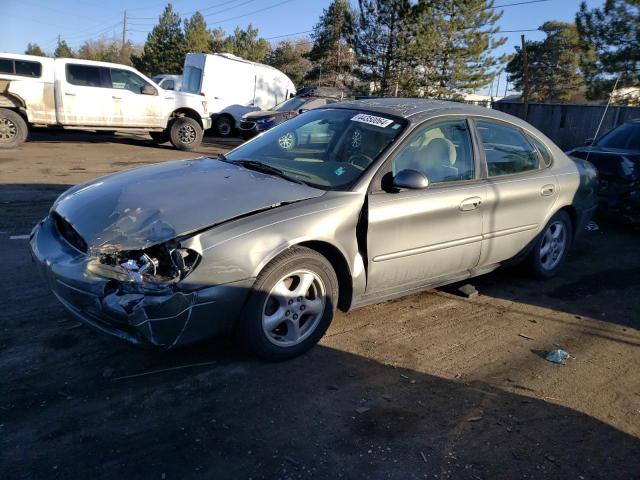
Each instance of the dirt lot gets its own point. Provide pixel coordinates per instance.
(429, 386)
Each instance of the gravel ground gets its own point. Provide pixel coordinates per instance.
(429, 386)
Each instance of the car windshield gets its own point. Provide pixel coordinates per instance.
(626, 137)
(325, 148)
(292, 104)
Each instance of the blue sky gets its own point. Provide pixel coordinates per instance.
(40, 21)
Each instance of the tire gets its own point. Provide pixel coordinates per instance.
(277, 327)
(224, 126)
(185, 133)
(159, 137)
(13, 129)
(550, 249)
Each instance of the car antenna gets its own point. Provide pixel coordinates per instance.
(615, 85)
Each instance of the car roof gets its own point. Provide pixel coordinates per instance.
(419, 109)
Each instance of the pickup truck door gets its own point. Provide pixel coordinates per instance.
(82, 96)
(132, 107)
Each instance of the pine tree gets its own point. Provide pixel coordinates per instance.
(34, 49)
(290, 58)
(246, 44)
(165, 48)
(63, 50)
(455, 40)
(613, 31)
(381, 36)
(331, 53)
(197, 37)
(554, 64)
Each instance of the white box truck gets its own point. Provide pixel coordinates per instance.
(83, 94)
(234, 86)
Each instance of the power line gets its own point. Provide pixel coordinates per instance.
(251, 13)
(519, 3)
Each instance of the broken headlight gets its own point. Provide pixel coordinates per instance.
(162, 264)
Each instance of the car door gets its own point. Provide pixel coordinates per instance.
(84, 96)
(416, 236)
(137, 103)
(521, 191)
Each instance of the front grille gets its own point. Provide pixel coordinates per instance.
(69, 233)
(247, 125)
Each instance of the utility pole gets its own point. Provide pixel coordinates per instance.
(124, 30)
(525, 78)
(498, 85)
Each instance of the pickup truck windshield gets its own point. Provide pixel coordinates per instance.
(626, 137)
(325, 148)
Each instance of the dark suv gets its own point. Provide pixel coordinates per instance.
(253, 123)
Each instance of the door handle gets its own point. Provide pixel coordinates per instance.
(470, 204)
(70, 94)
(547, 190)
(116, 98)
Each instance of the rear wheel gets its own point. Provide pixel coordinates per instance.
(13, 129)
(185, 133)
(223, 126)
(551, 247)
(291, 306)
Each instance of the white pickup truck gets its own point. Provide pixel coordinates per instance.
(82, 94)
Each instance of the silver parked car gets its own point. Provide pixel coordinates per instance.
(339, 207)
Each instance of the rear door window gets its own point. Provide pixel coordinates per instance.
(88, 75)
(23, 68)
(6, 65)
(192, 79)
(506, 149)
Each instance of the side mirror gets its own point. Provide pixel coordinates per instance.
(148, 90)
(588, 141)
(411, 179)
(302, 110)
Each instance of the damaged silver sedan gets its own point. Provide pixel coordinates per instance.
(342, 206)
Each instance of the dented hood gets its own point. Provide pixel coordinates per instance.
(145, 206)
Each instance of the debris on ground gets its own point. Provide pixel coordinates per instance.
(474, 419)
(591, 226)
(362, 410)
(525, 336)
(558, 356)
(424, 457)
(468, 290)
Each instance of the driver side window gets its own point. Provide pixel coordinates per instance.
(126, 80)
(442, 151)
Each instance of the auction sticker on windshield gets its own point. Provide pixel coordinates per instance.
(372, 120)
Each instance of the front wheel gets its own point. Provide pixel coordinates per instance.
(551, 247)
(185, 133)
(223, 126)
(13, 129)
(291, 305)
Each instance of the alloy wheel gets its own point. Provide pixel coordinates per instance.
(553, 246)
(8, 130)
(293, 309)
(187, 134)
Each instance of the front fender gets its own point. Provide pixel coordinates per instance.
(241, 248)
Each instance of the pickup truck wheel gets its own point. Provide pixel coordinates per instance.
(185, 133)
(223, 126)
(13, 129)
(159, 137)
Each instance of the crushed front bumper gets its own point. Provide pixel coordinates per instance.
(167, 318)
